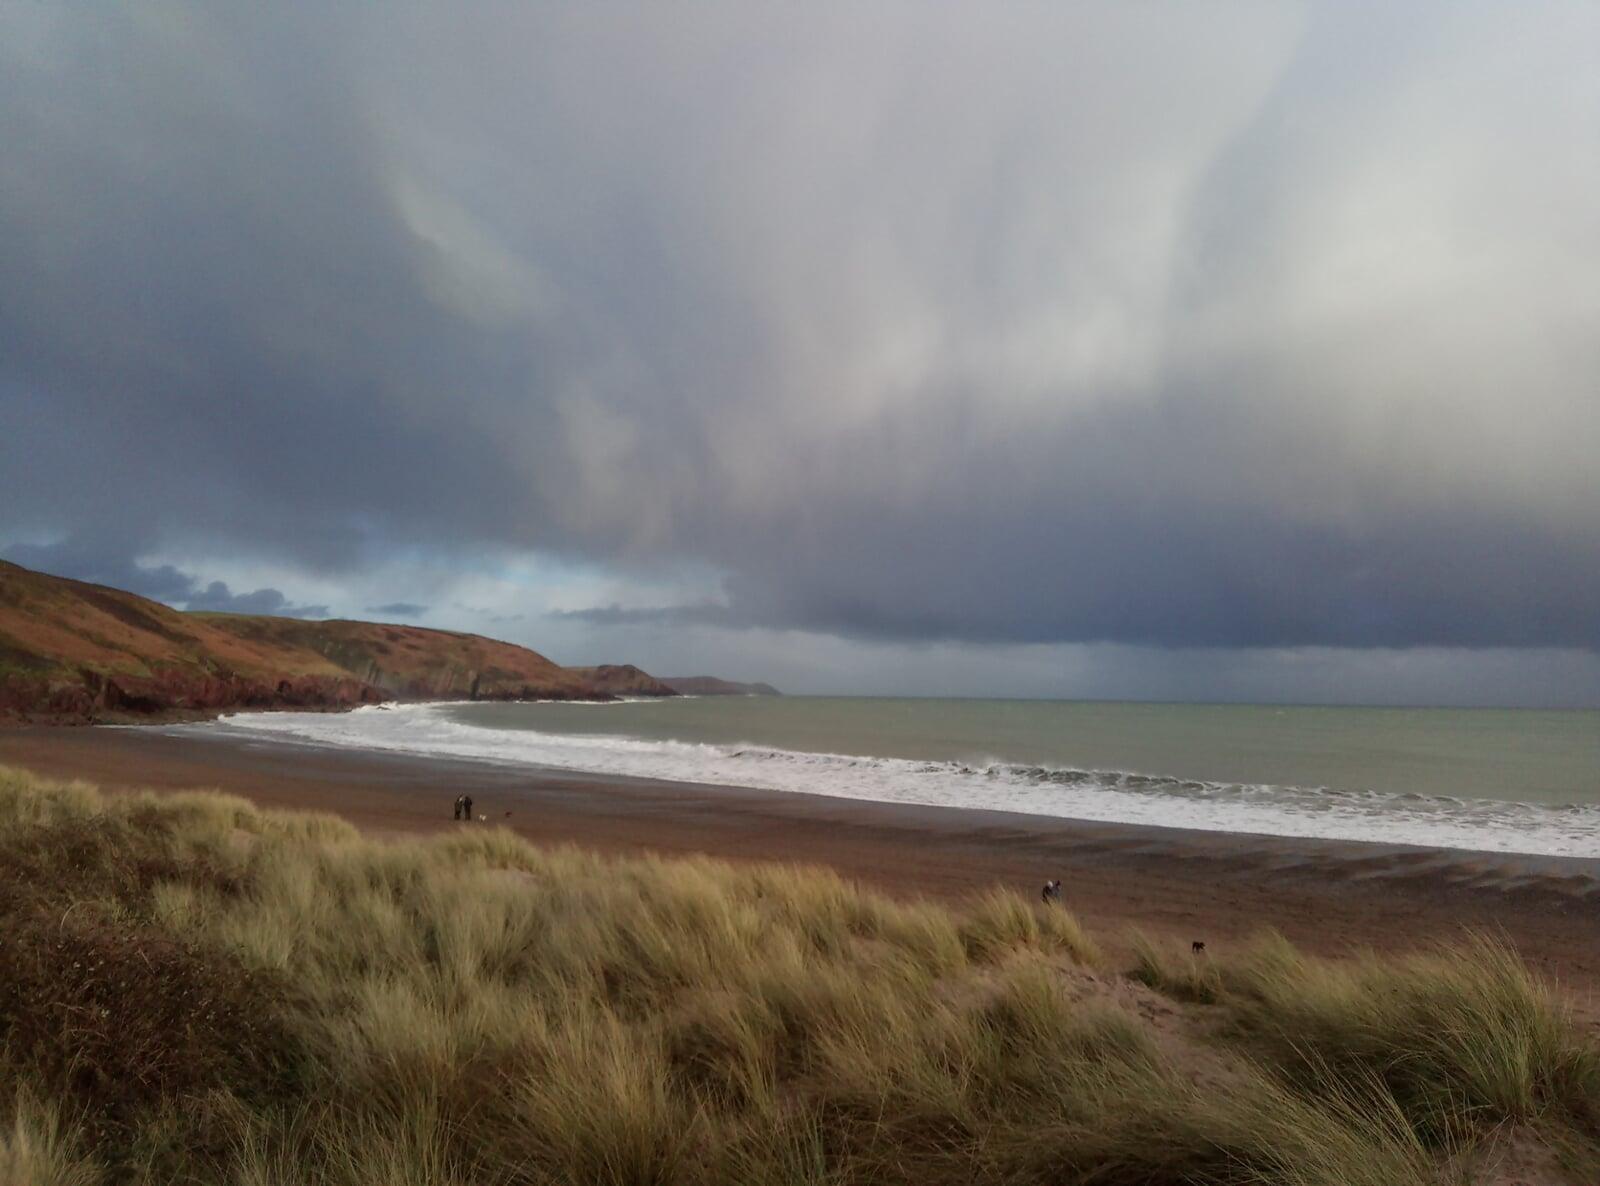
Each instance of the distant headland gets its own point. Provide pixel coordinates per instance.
(710, 685)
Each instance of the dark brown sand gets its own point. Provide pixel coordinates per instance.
(1327, 896)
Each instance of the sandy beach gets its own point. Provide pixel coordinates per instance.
(1327, 896)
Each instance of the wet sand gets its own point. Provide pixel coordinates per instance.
(1328, 896)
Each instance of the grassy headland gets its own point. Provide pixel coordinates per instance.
(195, 990)
(73, 651)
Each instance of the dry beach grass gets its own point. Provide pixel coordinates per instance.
(192, 989)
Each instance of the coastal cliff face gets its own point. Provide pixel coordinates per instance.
(412, 662)
(88, 696)
(76, 652)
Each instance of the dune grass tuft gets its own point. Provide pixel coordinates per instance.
(37, 1149)
(1182, 975)
(1463, 1034)
(194, 990)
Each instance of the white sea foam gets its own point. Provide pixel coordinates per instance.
(1111, 796)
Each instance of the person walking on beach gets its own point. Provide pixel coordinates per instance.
(466, 804)
(460, 805)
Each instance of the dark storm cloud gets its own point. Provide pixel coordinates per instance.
(1059, 324)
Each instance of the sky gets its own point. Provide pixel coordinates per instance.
(1157, 350)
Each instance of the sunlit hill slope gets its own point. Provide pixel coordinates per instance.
(75, 651)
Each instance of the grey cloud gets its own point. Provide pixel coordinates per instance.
(488, 615)
(103, 563)
(402, 609)
(109, 564)
(667, 615)
(1067, 324)
(218, 598)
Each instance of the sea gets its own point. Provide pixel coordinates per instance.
(1486, 779)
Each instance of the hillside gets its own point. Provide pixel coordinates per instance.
(710, 685)
(72, 651)
(622, 679)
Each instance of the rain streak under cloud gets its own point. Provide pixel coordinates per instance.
(891, 347)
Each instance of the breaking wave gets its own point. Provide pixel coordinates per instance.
(991, 784)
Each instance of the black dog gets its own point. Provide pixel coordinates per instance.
(1196, 947)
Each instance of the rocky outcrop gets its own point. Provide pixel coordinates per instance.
(621, 679)
(710, 685)
(93, 696)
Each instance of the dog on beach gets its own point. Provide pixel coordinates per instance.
(1197, 948)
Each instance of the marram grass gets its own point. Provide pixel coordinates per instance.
(192, 990)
